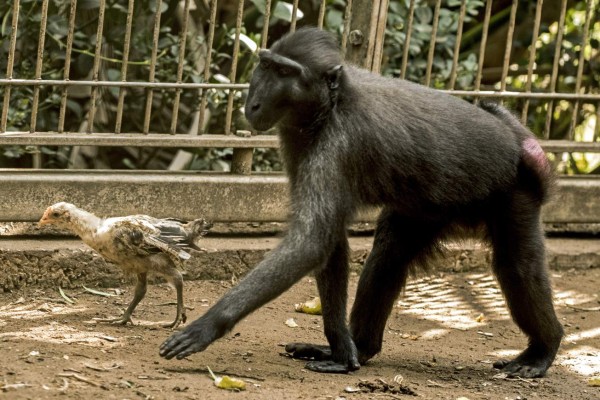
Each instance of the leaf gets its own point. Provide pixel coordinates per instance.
(261, 5)
(249, 43)
(163, 7)
(284, 10)
(97, 292)
(64, 296)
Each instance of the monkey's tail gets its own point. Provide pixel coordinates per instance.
(535, 172)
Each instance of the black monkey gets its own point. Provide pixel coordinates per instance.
(437, 165)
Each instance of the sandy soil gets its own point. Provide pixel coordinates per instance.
(442, 337)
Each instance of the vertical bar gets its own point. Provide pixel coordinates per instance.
(346, 32)
(124, 64)
(67, 69)
(180, 60)
(532, 52)
(597, 127)
(436, 20)
(152, 66)
(294, 16)
(508, 49)
(322, 14)
(10, 63)
(96, 67)
(411, 14)
(379, 36)
(554, 77)
(584, 38)
(484, 35)
(38, 72)
(265, 30)
(459, 32)
(206, 75)
(234, 62)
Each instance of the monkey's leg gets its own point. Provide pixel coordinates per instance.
(519, 264)
(398, 243)
(140, 292)
(175, 277)
(341, 355)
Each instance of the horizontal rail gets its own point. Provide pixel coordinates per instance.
(137, 140)
(219, 197)
(244, 86)
(144, 85)
(208, 140)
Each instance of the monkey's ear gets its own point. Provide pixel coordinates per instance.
(333, 76)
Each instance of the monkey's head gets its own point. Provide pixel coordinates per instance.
(295, 81)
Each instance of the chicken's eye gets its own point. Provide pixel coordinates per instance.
(55, 214)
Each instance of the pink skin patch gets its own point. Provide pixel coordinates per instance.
(534, 155)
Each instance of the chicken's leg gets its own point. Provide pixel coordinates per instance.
(177, 280)
(140, 292)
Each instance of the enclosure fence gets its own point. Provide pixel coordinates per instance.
(202, 105)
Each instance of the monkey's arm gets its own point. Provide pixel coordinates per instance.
(314, 232)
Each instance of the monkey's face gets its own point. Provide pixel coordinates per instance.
(280, 89)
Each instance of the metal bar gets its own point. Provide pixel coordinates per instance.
(67, 69)
(126, 46)
(96, 67)
(459, 32)
(38, 73)
(379, 36)
(206, 75)
(346, 32)
(524, 95)
(597, 127)
(509, 39)
(584, 39)
(411, 14)
(10, 64)
(144, 85)
(484, 36)
(436, 20)
(265, 29)
(242, 86)
(294, 16)
(180, 61)
(532, 52)
(234, 62)
(322, 8)
(555, 66)
(207, 140)
(155, 38)
(138, 140)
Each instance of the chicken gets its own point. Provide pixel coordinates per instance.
(139, 244)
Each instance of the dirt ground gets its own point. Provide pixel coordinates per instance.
(440, 342)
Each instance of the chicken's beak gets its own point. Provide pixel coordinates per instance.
(45, 218)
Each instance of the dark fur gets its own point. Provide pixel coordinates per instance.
(435, 163)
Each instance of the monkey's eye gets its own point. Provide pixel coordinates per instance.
(265, 64)
(284, 71)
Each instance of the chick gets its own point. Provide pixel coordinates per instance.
(139, 244)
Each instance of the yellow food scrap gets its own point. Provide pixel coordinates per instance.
(480, 318)
(291, 323)
(594, 381)
(227, 382)
(310, 307)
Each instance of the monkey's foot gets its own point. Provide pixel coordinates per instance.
(529, 364)
(323, 359)
(196, 337)
(123, 320)
(180, 319)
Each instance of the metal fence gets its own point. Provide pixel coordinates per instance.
(366, 34)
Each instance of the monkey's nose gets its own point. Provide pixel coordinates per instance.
(255, 107)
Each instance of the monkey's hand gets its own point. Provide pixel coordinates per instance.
(196, 337)
(323, 360)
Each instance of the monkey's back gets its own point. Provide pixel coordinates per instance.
(412, 134)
